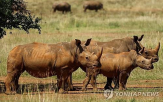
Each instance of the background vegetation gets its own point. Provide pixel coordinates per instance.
(13, 14)
(121, 18)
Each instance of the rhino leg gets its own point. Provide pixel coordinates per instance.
(60, 83)
(70, 10)
(96, 10)
(91, 75)
(85, 9)
(86, 82)
(54, 10)
(116, 82)
(95, 71)
(14, 70)
(63, 12)
(123, 80)
(108, 84)
(63, 79)
(70, 85)
(11, 82)
(93, 83)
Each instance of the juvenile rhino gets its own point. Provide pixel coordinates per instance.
(121, 65)
(92, 5)
(62, 6)
(45, 60)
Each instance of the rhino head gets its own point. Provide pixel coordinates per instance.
(85, 57)
(142, 62)
(151, 53)
(147, 53)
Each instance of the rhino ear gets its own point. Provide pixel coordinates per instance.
(135, 38)
(139, 39)
(88, 42)
(78, 42)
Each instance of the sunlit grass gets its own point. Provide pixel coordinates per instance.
(121, 18)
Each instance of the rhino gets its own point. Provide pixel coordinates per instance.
(92, 5)
(123, 45)
(44, 60)
(62, 6)
(121, 65)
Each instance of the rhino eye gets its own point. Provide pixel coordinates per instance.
(146, 52)
(143, 62)
(86, 57)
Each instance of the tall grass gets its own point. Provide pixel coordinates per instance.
(102, 26)
(53, 97)
(121, 18)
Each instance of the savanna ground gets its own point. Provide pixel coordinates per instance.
(121, 18)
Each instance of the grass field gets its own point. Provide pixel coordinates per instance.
(121, 18)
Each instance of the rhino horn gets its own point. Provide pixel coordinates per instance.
(157, 47)
(100, 54)
(151, 60)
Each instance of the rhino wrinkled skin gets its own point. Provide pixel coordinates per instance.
(45, 60)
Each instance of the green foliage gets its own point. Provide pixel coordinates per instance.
(13, 14)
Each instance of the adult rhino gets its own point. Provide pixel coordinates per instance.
(121, 65)
(125, 45)
(92, 5)
(62, 6)
(45, 60)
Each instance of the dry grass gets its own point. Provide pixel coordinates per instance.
(121, 18)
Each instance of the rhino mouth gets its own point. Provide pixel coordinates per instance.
(149, 67)
(95, 65)
(155, 60)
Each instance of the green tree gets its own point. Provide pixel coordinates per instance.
(13, 14)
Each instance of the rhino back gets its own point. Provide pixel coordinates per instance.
(39, 60)
(120, 45)
(37, 56)
(44, 55)
(64, 55)
(60, 6)
(63, 4)
(112, 64)
(92, 4)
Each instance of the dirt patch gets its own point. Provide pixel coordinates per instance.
(49, 84)
(35, 88)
